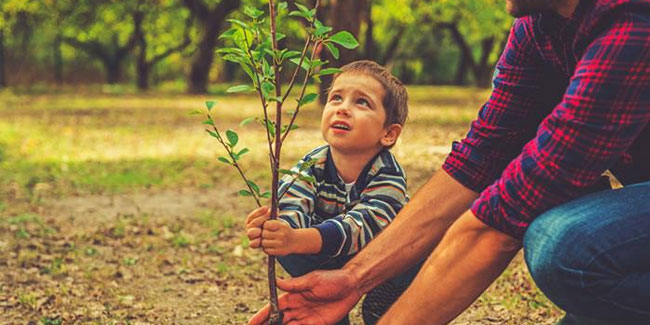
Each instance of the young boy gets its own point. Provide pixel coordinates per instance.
(359, 186)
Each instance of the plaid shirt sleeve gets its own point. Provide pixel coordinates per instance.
(506, 119)
(605, 106)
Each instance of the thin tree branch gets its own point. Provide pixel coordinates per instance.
(234, 161)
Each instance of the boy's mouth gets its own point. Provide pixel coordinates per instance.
(340, 125)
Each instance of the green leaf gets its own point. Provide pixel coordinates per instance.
(333, 49)
(290, 54)
(304, 64)
(243, 151)
(209, 104)
(253, 12)
(345, 39)
(266, 195)
(308, 99)
(247, 121)
(245, 193)
(282, 5)
(306, 178)
(213, 134)
(254, 186)
(317, 63)
(248, 70)
(231, 50)
(299, 14)
(208, 122)
(233, 138)
(302, 8)
(270, 127)
(267, 88)
(230, 33)
(307, 164)
(238, 23)
(224, 160)
(320, 28)
(279, 36)
(327, 71)
(293, 127)
(285, 171)
(238, 89)
(195, 112)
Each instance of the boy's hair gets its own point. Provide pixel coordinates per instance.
(395, 97)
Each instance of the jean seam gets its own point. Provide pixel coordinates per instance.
(582, 281)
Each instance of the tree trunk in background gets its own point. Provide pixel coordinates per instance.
(483, 70)
(342, 15)
(461, 70)
(58, 60)
(141, 65)
(3, 81)
(211, 23)
(370, 48)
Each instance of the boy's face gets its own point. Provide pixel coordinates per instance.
(353, 119)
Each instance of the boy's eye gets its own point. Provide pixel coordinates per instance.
(363, 102)
(335, 98)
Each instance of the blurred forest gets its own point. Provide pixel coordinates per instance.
(170, 44)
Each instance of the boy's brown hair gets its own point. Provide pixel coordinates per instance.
(395, 97)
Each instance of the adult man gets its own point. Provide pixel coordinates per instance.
(571, 100)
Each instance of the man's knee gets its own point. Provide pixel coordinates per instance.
(555, 254)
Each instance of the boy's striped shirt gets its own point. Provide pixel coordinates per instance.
(346, 221)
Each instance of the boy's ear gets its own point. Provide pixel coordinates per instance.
(392, 133)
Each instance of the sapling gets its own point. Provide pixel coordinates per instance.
(255, 47)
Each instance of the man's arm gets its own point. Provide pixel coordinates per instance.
(414, 233)
(470, 256)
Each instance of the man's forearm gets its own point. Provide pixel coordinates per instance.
(414, 232)
(470, 256)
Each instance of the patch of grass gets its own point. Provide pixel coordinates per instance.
(51, 321)
(180, 240)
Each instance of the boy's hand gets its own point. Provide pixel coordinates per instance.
(278, 238)
(254, 222)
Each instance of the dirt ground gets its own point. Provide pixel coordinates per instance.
(113, 209)
(167, 257)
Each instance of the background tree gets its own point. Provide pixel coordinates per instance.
(161, 27)
(98, 29)
(211, 22)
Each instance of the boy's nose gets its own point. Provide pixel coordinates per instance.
(343, 110)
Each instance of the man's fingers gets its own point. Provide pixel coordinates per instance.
(298, 284)
(261, 317)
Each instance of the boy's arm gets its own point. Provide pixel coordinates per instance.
(380, 201)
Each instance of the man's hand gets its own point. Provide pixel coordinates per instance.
(278, 238)
(254, 222)
(320, 297)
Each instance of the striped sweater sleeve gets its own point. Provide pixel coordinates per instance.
(297, 205)
(380, 201)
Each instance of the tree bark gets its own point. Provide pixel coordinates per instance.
(342, 15)
(211, 22)
(57, 60)
(3, 81)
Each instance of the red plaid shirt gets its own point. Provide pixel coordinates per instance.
(571, 99)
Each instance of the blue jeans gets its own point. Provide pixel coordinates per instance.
(591, 256)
